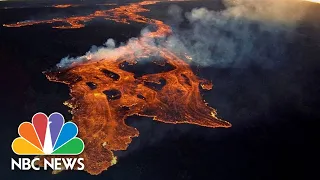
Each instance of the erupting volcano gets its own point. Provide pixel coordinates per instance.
(106, 91)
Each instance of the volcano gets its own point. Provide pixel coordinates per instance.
(105, 91)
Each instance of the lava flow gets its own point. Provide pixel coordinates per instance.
(121, 14)
(106, 91)
(63, 5)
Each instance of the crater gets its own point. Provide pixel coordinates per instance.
(144, 66)
(110, 74)
(112, 94)
(91, 85)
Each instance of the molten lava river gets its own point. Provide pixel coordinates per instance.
(104, 92)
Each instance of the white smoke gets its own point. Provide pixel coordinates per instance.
(244, 32)
(109, 49)
(285, 12)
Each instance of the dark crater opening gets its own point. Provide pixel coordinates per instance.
(151, 65)
(91, 85)
(110, 74)
(156, 86)
(140, 96)
(112, 94)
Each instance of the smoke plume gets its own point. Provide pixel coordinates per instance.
(245, 32)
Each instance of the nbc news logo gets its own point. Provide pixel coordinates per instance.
(48, 136)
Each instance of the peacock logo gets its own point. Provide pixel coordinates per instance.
(48, 136)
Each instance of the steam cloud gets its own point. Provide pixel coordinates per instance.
(245, 32)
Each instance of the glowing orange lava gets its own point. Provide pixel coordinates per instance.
(122, 14)
(62, 5)
(105, 92)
